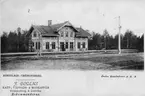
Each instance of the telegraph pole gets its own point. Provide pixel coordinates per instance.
(119, 41)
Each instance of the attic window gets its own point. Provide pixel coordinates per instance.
(66, 33)
(66, 28)
(61, 34)
(71, 34)
(34, 34)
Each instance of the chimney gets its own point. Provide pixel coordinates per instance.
(49, 22)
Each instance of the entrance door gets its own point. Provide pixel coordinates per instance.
(62, 47)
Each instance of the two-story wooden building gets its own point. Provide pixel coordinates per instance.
(58, 37)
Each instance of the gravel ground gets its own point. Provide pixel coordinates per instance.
(125, 61)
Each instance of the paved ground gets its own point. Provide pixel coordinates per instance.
(93, 61)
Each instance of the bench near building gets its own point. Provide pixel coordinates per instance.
(57, 37)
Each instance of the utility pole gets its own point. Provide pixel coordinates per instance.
(105, 45)
(119, 41)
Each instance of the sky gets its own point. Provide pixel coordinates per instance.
(93, 15)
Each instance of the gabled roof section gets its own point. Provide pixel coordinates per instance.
(53, 30)
(67, 23)
(55, 27)
(82, 33)
(44, 30)
(47, 31)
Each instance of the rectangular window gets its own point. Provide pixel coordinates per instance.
(47, 45)
(62, 46)
(66, 34)
(66, 45)
(61, 34)
(84, 44)
(37, 45)
(32, 43)
(71, 45)
(71, 34)
(79, 45)
(34, 34)
(53, 45)
(66, 28)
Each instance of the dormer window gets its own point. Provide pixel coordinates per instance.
(34, 34)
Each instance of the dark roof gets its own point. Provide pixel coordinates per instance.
(52, 30)
(44, 30)
(57, 26)
(47, 31)
(82, 33)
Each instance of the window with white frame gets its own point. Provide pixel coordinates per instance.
(53, 45)
(47, 45)
(71, 45)
(37, 45)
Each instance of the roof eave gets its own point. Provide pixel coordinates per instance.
(65, 24)
(81, 36)
(46, 35)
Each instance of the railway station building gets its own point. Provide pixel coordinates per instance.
(57, 37)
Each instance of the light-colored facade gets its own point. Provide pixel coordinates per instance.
(64, 37)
